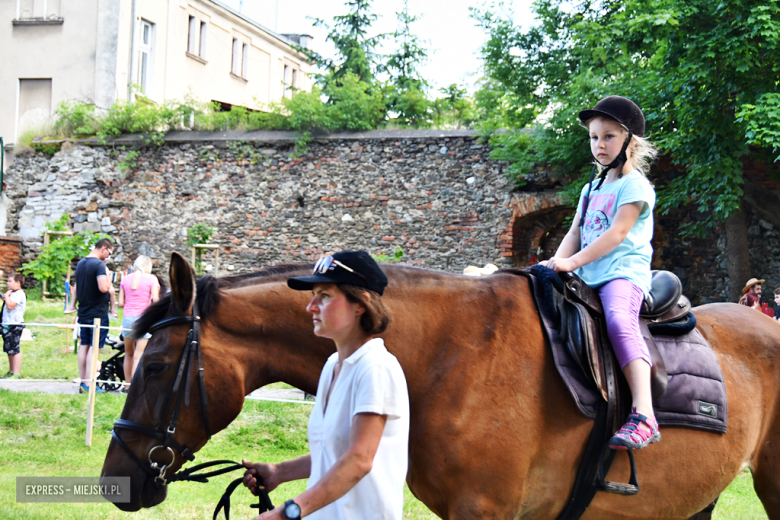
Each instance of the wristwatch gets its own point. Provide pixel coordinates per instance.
(292, 511)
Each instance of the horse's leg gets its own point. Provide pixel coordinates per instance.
(766, 471)
(706, 513)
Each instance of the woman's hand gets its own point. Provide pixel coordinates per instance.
(267, 472)
(276, 514)
(560, 265)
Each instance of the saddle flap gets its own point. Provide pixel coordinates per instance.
(665, 292)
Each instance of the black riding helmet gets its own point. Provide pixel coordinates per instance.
(626, 113)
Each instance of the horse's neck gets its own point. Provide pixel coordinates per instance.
(271, 337)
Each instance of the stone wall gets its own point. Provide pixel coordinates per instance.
(437, 195)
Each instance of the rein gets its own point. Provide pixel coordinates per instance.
(181, 393)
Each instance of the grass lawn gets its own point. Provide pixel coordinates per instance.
(43, 435)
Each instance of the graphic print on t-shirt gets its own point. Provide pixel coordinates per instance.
(598, 219)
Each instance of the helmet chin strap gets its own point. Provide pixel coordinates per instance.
(619, 161)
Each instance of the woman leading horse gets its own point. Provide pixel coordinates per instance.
(493, 433)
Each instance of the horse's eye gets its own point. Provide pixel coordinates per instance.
(153, 369)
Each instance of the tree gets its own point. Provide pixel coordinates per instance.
(52, 262)
(706, 74)
(406, 93)
(355, 50)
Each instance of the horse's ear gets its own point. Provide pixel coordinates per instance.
(182, 278)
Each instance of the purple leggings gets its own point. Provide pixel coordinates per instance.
(622, 301)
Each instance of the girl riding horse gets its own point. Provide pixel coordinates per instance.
(608, 246)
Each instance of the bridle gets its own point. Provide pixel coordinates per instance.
(181, 393)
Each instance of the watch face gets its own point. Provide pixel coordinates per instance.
(292, 510)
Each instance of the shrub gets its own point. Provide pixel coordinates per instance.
(75, 118)
(52, 262)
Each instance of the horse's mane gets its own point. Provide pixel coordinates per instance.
(209, 291)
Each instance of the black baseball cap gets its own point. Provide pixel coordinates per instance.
(348, 267)
(620, 109)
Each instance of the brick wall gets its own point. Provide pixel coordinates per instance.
(10, 256)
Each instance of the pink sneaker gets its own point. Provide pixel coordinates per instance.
(632, 437)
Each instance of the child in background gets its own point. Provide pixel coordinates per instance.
(14, 303)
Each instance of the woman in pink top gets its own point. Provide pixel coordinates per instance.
(136, 292)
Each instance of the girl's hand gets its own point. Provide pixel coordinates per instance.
(267, 472)
(560, 265)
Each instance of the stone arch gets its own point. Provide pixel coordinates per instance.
(535, 229)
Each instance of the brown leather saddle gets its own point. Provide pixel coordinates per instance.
(588, 341)
(583, 328)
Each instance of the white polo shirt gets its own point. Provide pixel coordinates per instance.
(372, 381)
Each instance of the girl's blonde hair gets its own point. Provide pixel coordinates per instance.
(142, 263)
(640, 151)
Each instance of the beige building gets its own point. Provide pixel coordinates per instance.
(99, 50)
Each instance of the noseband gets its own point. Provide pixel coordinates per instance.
(179, 393)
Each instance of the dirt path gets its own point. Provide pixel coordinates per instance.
(70, 387)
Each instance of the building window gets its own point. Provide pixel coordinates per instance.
(289, 81)
(244, 60)
(192, 36)
(145, 57)
(38, 12)
(235, 67)
(238, 67)
(202, 49)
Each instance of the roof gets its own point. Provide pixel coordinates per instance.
(281, 38)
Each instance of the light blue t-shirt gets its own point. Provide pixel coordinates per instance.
(631, 259)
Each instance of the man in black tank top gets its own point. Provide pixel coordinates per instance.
(92, 290)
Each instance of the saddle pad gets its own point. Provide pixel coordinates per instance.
(696, 395)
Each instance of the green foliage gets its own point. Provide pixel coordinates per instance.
(52, 262)
(47, 147)
(354, 105)
(705, 73)
(762, 122)
(454, 110)
(128, 162)
(355, 49)
(73, 118)
(405, 94)
(397, 255)
(144, 116)
(200, 233)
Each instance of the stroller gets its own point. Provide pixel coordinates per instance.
(112, 369)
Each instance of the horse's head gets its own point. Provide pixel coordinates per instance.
(165, 419)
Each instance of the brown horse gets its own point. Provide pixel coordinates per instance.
(494, 432)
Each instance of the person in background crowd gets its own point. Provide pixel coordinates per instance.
(136, 292)
(14, 304)
(753, 286)
(777, 303)
(753, 301)
(91, 291)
